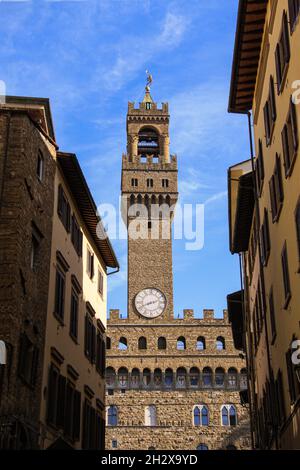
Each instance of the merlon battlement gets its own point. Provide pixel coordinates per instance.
(188, 315)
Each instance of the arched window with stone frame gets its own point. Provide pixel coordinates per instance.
(181, 377)
(202, 447)
(169, 377)
(112, 416)
(220, 343)
(135, 378)
(142, 342)
(162, 343)
(157, 377)
(232, 377)
(207, 377)
(200, 415)
(123, 377)
(110, 376)
(228, 415)
(123, 344)
(220, 377)
(201, 343)
(181, 343)
(146, 377)
(194, 377)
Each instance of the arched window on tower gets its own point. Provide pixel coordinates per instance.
(202, 447)
(112, 416)
(220, 377)
(200, 415)
(123, 377)
(232, 377)
(150, 415)
(244, 379)
(201, 343)
(194, 376)
(148, 143)
(181, 343)
(122, 344)
(157, 377)
(169, 377)
(108, 342)
(135, 378)
(162, 343)
(220, 343)
(181, 377)
(229, 415)
(110, 376)
(207, 377)
(146, 377)
(142, 343)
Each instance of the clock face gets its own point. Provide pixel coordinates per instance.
(150, 303)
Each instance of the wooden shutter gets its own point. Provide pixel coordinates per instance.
(92, 440)
(69, 410)
(80, 243)
(278, 68)
(52, 394)
(93, 343)
(34, 365)
(290, 374)
(293, 117)
(61, 401)
(272, 100)
(272, 197)
(86, 336)
(285, 148)
(60, 200)
(77, 415)
(286, 39)
(267, 123)
(68, 217)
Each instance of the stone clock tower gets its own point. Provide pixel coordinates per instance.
(149, 178)
(171, 383)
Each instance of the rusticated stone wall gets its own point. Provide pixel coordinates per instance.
(174, 427)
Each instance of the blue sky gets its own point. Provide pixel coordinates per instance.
(89, 58)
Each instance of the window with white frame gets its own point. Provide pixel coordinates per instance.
(200, 415)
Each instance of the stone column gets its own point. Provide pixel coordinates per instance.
(166, 149)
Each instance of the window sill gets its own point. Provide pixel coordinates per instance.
(59, 319)
(277, 216)
(289, 171)
(287, 301)
(283, 80)
(74, 339)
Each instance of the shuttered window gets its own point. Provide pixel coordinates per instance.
(294, 9)
(100, 356)
(59, 306)
(76, 236)
(290, 140)
(63, 209)
(276, 190)
(286, 276)
(272, 315)
(90, 339)
(28, 360)
(282, 53)
(259, 168)
(63, 404)
(74, 315)
(100, 282)
(265, 239)
(90, 264)
(270, 112)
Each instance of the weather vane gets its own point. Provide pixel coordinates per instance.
(149, 80)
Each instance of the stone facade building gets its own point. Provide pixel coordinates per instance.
(264, 215)
(53, 289)
(171, 383)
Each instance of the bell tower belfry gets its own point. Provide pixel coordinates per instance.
(149, 183)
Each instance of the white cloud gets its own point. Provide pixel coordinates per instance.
(216, 197)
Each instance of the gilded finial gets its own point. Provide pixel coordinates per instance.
(149, 80)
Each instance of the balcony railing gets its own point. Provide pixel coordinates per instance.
(150, 382)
